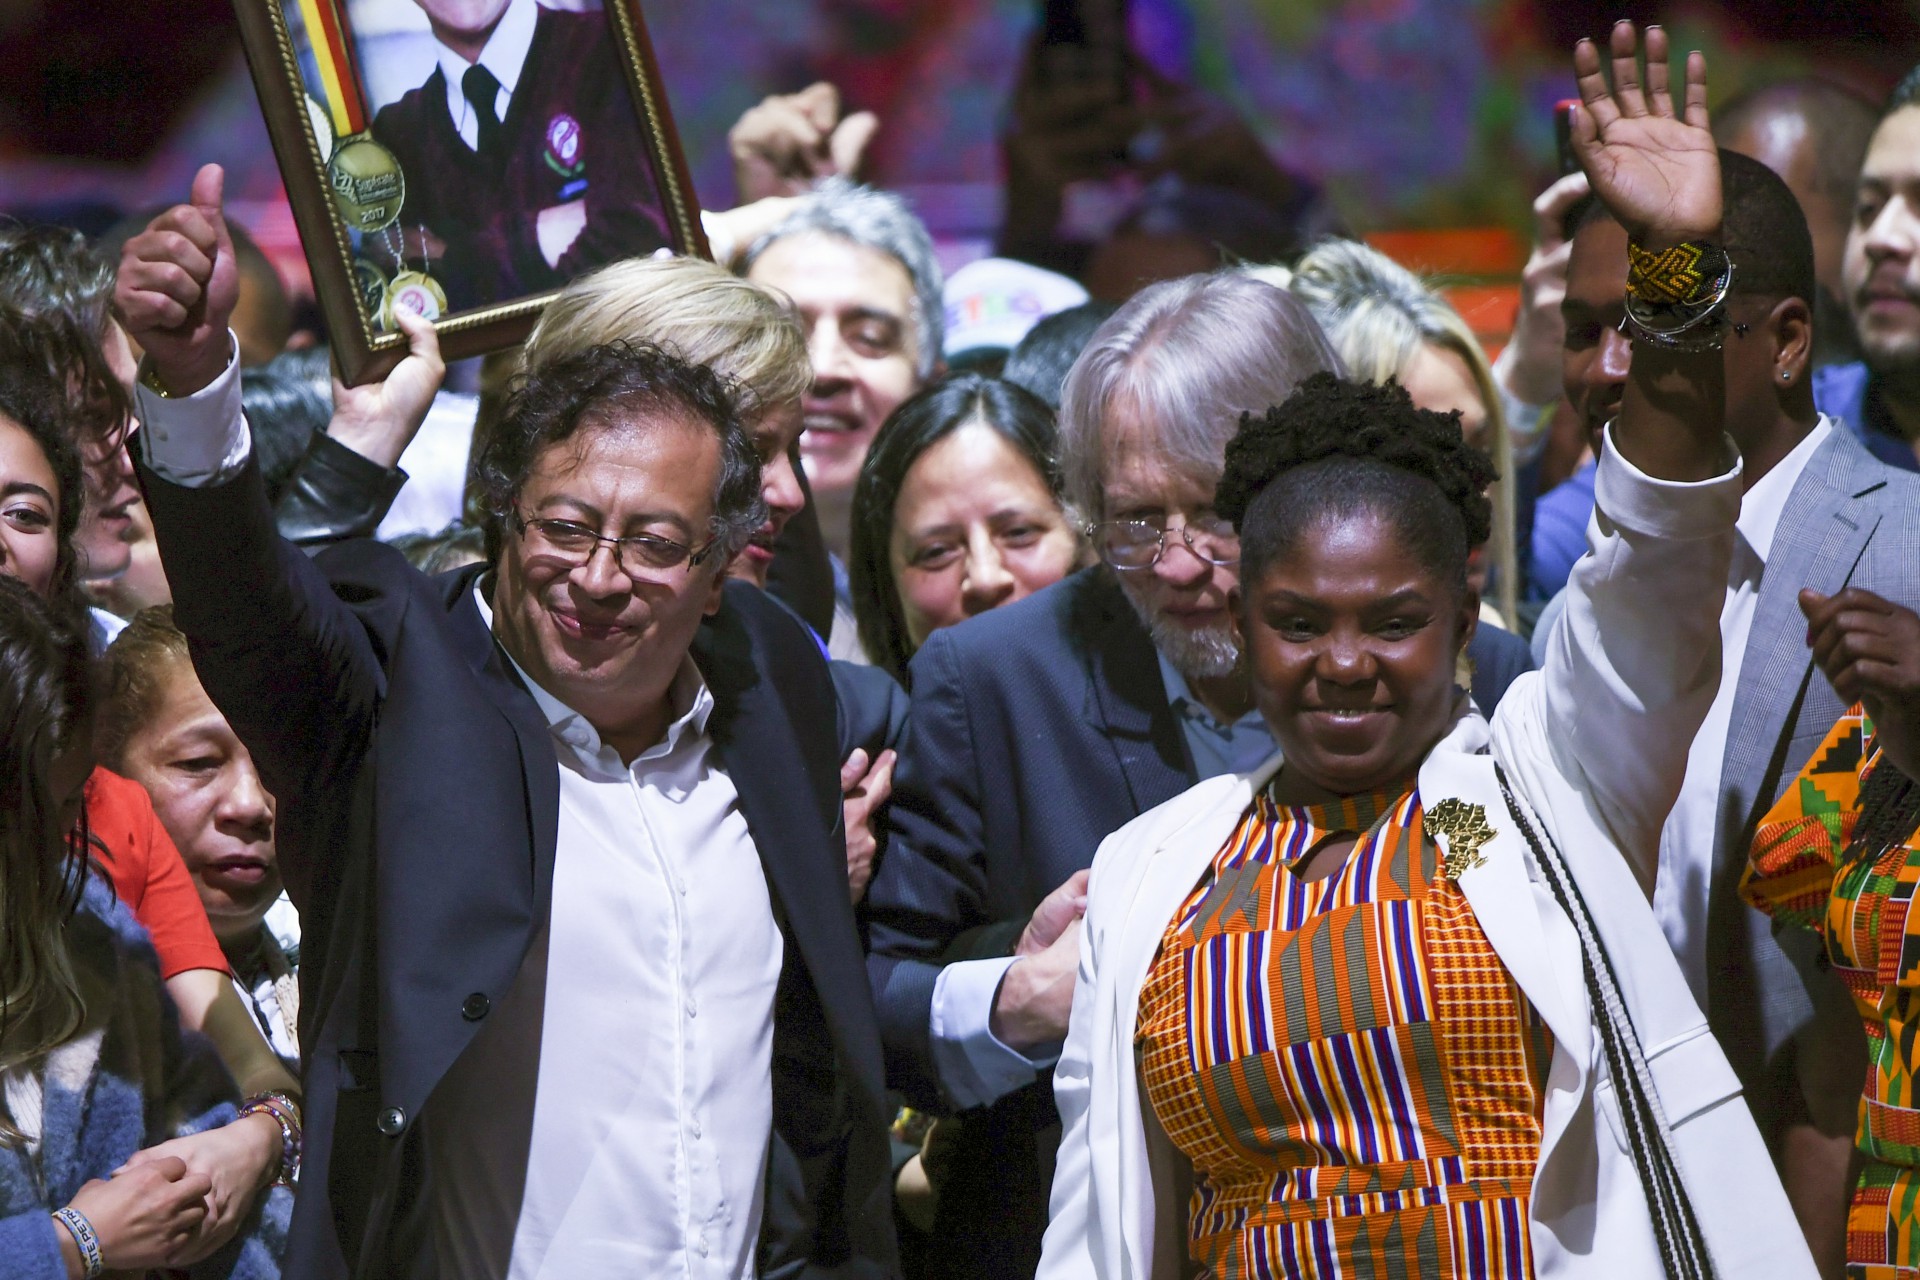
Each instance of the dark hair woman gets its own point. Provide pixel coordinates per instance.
(40, 501)
(1395, 1000)
(93, 1065)
(957, 511)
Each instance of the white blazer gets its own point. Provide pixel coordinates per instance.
(1595, 745)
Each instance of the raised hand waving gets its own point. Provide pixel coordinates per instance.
(1652, 163)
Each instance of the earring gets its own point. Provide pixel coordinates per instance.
(1786, 375)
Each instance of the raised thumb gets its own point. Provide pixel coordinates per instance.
(209, 196)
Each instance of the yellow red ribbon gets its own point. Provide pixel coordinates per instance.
(339, 78)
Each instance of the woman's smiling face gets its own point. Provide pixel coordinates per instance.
(1352, 643)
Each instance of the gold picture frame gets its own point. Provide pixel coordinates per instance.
(357, 272)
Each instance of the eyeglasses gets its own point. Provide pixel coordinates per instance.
(1133, 545)
(639, 555)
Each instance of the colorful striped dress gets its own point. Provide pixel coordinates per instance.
(1353, 1074)
(1799, 873)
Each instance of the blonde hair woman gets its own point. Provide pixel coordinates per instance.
(705, 315)
(1386, 323)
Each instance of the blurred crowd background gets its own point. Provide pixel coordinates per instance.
(1423, 116)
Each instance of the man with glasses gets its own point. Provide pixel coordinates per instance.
(582, 992)
(1040, 728)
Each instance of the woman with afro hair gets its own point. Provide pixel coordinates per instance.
(1395, 1003)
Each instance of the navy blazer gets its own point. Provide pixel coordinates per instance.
(419, 806)
(1036, 731)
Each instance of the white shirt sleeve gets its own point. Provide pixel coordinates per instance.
(1526, 422)
(975, 1067)
(196, 441)
(1635, 661)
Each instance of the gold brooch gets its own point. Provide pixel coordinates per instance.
(1465, 827)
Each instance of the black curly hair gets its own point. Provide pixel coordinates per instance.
(550, 404)
(1336, 448)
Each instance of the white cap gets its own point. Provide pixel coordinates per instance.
(992, 302)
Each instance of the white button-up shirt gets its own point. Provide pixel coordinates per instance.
(1686, 842)
(505, 55)
(612, 1117)
(653, 1107)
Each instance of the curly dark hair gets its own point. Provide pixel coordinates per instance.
(56, 295)
(1337, 447)
(590, 388)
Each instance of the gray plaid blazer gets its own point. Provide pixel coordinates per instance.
(1850, 520)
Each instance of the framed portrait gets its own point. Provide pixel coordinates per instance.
(464, 158)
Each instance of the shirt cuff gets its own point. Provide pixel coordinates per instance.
(195, 441)
(975, 1067)
(1678, 509)
(1526, 427)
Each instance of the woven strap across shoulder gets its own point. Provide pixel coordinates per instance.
(1683, 1246)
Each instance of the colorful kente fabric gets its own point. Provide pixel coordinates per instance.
(1797, 873)
(1351, 1070)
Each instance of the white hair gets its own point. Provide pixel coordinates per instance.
(1190, 356)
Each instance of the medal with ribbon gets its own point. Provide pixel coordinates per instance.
(368, 185)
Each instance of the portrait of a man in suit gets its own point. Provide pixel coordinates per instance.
(522, 153)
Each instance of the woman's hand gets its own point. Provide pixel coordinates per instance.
(1652, 164)
(146, 1217)
(237, 1160)
(1869, 649)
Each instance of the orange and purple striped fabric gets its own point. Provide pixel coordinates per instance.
(1797, 872)
(1351, 1070)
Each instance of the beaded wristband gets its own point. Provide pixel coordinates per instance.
(1687, 275)
(91, 1261)
(285, 1112)
(1676, 299)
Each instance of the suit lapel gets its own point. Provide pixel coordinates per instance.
(538, 764)
(1127, 704)
(1826, 525)
(1168, 874)
(1505, 903)
(796, 841)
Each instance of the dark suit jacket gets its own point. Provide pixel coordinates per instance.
(1036, 731)
(485, 206)
(419, 807)
(1850, 519)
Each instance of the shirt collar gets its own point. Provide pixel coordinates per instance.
(689, 698)
(1761, 507)
(505, 53)
(1180, 694)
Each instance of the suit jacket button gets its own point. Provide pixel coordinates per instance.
(391, 1122)
(475, 1006)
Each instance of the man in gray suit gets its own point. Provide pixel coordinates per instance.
(1819, 512)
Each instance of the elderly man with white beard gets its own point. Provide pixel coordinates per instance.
(1040, 728)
